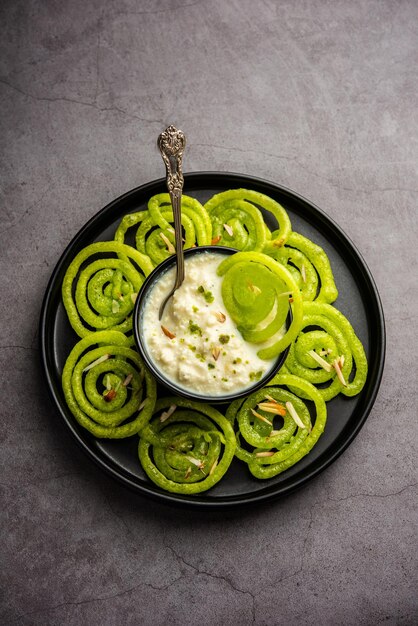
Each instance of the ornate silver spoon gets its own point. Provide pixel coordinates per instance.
(172, 143)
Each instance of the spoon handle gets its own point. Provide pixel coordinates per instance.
(172, 143)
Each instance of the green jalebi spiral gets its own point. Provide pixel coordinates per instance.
(308, 264)
(330, 335)
(155, 234)
(277, 449)
(255, 291)
(188, 452)
(106, 386)
(238, 222)
(106, 288)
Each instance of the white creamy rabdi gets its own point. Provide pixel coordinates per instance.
(196, 344)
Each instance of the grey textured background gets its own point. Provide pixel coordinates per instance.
(320, 96)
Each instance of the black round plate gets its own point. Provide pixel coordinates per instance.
(358, 300)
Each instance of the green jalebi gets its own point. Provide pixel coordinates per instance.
(155, 234)
(308, 264)
(106, 386)
(186, 447)
(332, 338)
(275, 450)
(190, 450)
(254, 285)
(238, 222)
(106, 287)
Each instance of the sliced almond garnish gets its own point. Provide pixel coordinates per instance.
(303, 272)
(271, 399)
(109, 395)
(254, 288)
(216, 240)
(168, 243)
(229, 230)
(200, 464)
(127, 380)
(96, 362)
(264, 454)
(164, 416)
(107, 382)
(340, 375)
(273, 433)
(260, 417)
(275, 408)
(294, 415)
(212, 469)
(216, 351)
(341, 360)
(188, 472)
(134, 297)
(322, 362)
(167, 332)
(323, 352)
(221, 317)
(143, 403)
(115, 306)
(277, 243)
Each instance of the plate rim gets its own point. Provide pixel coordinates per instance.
(228, 501)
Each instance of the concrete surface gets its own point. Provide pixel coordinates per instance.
(320, 96)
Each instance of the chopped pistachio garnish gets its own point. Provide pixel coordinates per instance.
(224, 339)
(211, 366)
(256, 375)
(195, 309)
(194, 328)
(237, 361)
(208, 295)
